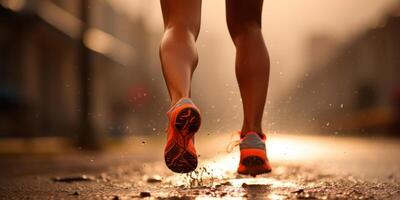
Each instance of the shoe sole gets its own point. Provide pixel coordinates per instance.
(177, 157)
(254, 164)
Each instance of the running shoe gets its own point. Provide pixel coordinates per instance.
(253, 156)
(184, 121)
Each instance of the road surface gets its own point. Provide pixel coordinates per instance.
(305, 167)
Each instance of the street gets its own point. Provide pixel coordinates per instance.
(88, 89)
(304, 167)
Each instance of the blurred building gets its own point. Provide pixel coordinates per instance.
(354, 89)
(40, 80)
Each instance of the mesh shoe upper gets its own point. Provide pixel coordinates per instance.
(252, 140)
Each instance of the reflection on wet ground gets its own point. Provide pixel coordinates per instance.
(302, 169)
(285, 182)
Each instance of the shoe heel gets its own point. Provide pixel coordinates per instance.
(178, 157)
(253, 161)
(188, 121)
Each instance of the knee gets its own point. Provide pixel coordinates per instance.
(183, 31)
(178, 37)
(244, 31)
(179, 41)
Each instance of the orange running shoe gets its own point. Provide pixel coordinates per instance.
(184, 121)
(253, 156)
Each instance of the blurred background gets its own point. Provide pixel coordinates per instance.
(88, 72)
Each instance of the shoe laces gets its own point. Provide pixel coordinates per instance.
(233, 142)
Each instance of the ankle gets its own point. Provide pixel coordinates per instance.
(243, 132)
(176, 99)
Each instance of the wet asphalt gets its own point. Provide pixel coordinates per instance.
(304, 167)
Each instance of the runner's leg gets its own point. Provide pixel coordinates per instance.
(252, 60)
(178, 53)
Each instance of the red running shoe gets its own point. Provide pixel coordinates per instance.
(253, 156)
(184, 121)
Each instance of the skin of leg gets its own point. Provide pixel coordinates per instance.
(178, 52)
(252, 60)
